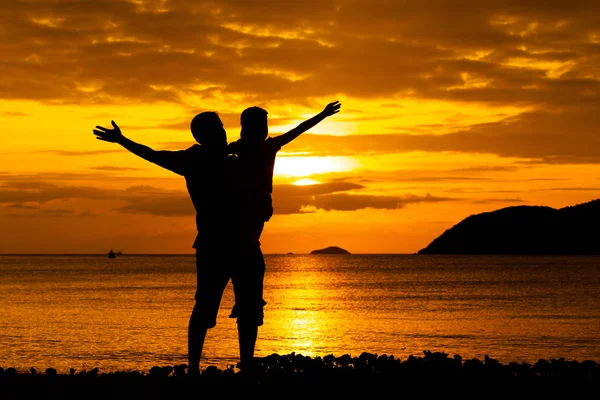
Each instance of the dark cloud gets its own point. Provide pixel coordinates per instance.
(287, 199)
(145, 199)
(57, 212)
(575, 189)
(88, 214)
(148, 51)
(440, 178)
(46, 192)
(172, 205)
(433, 176)
(44, 188)
(52, 179)
(567, 137)
(22, 206)
(472, 190)
(290, 199)
(41, 213)
(350, 202)
(490, 201)
(487, 168)
(314, 190)
(239, 53)
(546, 179)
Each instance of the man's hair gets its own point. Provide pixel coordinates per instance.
(251, 120)
(207, 129)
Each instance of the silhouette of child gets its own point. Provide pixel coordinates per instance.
(256, 152)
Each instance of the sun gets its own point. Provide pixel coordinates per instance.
(295, 166)
(305, 182)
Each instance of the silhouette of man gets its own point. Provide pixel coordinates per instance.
(224, 250)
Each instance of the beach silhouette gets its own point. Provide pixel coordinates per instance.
(343, 374)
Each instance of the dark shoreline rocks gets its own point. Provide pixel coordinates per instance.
(343, 371)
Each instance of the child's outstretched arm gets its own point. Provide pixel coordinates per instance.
(330, 109)
(166, 159)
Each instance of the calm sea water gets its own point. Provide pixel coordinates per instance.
(131, 312)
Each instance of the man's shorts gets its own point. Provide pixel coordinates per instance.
(214, 269)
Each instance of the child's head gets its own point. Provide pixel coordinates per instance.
(208, 130)
(254, 124)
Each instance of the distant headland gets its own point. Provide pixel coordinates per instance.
(524, 230)
(330, 250)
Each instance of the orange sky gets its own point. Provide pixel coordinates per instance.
(448, 109)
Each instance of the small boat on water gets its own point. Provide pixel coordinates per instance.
(112, 254)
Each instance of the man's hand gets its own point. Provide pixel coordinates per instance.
(109, 135)
(332, 108)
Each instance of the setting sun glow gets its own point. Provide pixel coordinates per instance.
(306, 166)
(305, 182)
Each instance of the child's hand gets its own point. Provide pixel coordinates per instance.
(108, 135)
(332, 108)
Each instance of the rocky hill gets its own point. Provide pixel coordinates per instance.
(524, 230)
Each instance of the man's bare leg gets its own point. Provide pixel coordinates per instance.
(196, 336)
(247, 334)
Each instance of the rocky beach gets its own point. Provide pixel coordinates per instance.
(431, 371)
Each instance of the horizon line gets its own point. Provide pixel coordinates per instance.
(179, 254)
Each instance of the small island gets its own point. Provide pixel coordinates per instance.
(330, 250)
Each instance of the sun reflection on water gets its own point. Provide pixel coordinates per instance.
(299, 316)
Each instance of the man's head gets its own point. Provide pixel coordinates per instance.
(254, 124)
(208, 130)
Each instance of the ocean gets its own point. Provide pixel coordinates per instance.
(131, 312)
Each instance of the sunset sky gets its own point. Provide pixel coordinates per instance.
(449, 108)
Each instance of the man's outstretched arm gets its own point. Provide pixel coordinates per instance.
(165, 159)
(330, 109)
